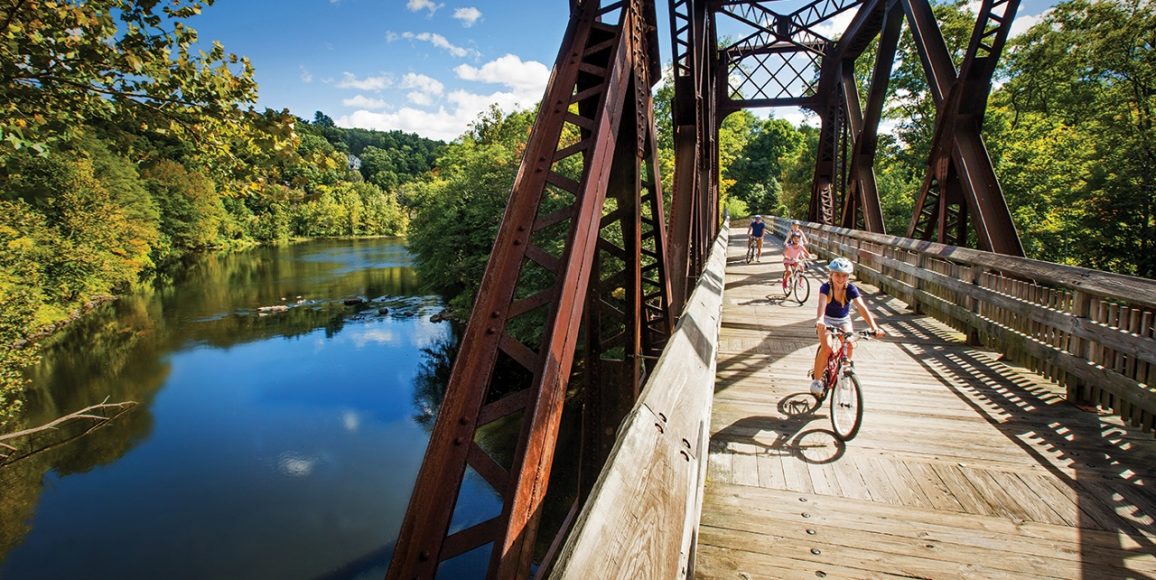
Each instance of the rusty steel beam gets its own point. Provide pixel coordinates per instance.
(658, 296)
(613, 307)
(863, 192)
(593, 71)
(823, 207)
(961, 186)
(689, 30)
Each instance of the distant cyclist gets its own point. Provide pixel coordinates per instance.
(793, 251)
(797, 229)
(835, 299)
(755, 233)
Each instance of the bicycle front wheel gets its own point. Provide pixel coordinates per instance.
(846, 406)
(802, 287)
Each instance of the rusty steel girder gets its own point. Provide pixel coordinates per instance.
(960, 186)
(581, 247)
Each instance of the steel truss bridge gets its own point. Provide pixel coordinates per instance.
(595, 287)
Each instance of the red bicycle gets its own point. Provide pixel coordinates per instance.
(841, 384)
(797, 283)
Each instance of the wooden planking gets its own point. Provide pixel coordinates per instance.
(928, 543)
(960, 450)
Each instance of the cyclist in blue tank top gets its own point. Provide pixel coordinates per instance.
(836, 296)
(755, 232)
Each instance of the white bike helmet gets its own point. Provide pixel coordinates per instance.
(841, 265)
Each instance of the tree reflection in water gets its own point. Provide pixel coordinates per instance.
(123, 350)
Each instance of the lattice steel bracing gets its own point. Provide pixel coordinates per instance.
(581, 246)
(784, 57)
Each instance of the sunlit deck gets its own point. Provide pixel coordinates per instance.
(966, 466)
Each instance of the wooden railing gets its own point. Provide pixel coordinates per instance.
(641, 519)
(1089, 331)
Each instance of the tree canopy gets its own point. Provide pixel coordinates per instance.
(126, 142)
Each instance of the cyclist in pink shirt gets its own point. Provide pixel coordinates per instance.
(792, 251)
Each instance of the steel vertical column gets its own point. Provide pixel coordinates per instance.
(615, 306)
(688, 41)
(823, 207)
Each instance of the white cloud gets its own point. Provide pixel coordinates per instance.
(1021, 24)
(441, 42)
(526, 78)
(350, 81)
(373, 336)
(306, 76)
(293, 465)
(524, 83)
(415, 5)
(391, 36)
(835, 26)
(427, 88)
(363, 102)
(440, 124)
(446, 124)
(422, 83)
(478, 102)
(351, 420)
(468, 16)
(423, 99)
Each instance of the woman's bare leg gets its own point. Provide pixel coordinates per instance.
(822, 355)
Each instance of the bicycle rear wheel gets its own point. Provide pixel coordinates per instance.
(846, 406)
(802, 287)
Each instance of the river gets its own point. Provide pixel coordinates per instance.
(266, 443)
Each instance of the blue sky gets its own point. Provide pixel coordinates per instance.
(415, 65)
(421, 66)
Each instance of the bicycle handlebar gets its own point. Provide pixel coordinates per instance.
(856, 335)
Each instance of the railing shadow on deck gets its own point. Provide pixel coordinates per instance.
(1092, 483)
(1110, 481)
(1114, 491)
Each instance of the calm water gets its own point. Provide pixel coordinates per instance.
(264, 445)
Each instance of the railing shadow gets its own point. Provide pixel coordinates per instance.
(1108, 470)
(1109, 473)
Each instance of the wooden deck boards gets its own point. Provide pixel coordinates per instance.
(966, 465)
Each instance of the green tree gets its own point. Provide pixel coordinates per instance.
(757, 170)
(191, 211)
(105, 222)
(799, 171)
(1080, 97)
(461, 206)
(67, 65)
(909, 100)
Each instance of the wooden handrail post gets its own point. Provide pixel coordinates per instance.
(1078, 391)
(974, 273)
